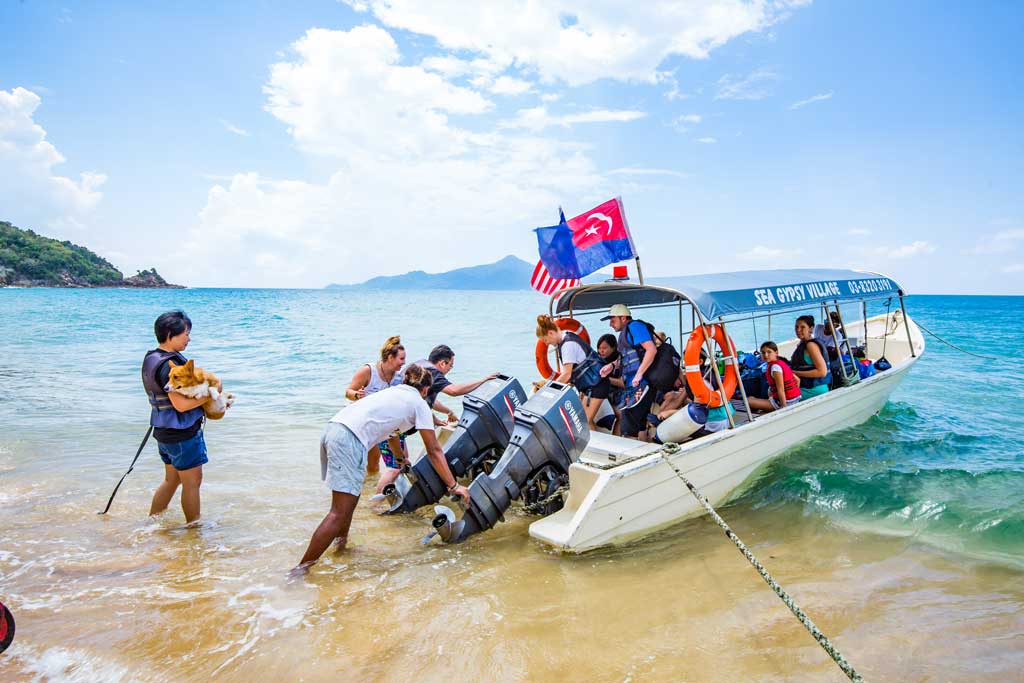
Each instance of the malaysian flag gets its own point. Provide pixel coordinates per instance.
(545, 284)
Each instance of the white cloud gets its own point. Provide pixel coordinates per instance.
(1002, 241)
(31, 193)
(904, 251)
(404, 176)
(506, 85)
(756, 85)
(812, 99)
(635, 171)
(538, 118)
(550, 97)
(683, 122)
(322, 97)
(770, 256)
(707, 140)
(605, 40)
(232, 128)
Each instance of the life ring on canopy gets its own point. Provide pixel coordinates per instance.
(702, 391)
(540, 352)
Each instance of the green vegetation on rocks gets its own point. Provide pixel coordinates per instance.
(31, 260)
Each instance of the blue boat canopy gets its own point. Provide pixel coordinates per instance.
(725, 294)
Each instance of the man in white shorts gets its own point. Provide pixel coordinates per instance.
(352, 432)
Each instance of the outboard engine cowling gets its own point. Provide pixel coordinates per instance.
(550, 434)
(483, 431)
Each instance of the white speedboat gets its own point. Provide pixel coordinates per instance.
(620, 488)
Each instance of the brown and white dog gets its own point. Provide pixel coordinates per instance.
(188, 380)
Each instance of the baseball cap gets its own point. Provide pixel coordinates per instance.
(617, 310)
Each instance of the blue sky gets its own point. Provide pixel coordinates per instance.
(254, 144)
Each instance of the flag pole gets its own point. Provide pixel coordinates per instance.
(636, 256)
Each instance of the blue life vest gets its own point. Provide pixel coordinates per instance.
(800, 361)
(630, 354)
(586, 374)
(162, 413)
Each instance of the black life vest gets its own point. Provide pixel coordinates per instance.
(797, 362)
(162, 413)
(586, 374)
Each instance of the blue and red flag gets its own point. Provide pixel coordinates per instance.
(585, 244)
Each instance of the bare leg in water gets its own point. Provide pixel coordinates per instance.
(334, 526)
(191, 480)
(165, 491)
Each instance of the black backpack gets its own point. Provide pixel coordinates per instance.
(664, 371)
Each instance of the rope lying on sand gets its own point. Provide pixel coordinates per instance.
(671, 448)
(950, 344)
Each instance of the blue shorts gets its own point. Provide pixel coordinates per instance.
(184, 455)
(387, 456)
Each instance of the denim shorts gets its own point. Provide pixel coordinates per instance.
(342, 459)
(184, 455)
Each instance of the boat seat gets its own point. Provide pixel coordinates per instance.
(607, 449)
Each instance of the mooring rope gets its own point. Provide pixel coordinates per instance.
(951, 344)
(822, 639)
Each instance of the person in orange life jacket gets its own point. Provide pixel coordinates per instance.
(439, 363)
(177, 420)
(634, 340)
(809, 360)
(353, 431)
(783, 384)
(369, 379)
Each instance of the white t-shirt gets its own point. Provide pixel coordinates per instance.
(376, 417)
(828, 341)
(572, 352)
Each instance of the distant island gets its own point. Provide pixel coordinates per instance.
(31, 260)
(508, 273)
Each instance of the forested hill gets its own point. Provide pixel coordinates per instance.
(31, 260)
(508, 273)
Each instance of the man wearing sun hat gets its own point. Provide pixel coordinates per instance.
(637, 349)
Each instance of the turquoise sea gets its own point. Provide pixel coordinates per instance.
(939, 472)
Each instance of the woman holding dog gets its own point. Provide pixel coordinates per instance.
(177, 420)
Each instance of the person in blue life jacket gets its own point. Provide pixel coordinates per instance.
(177, 420)
(810, 360)
(637, 349)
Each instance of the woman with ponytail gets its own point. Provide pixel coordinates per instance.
(369, 379)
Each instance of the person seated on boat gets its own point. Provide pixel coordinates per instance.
(831, 335)
(610, 388)
(783, 384)
(637, 348)
(810, 360)
(580, 363)
(439, 363)
(369, 379)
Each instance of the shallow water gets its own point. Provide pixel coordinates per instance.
(902, 538)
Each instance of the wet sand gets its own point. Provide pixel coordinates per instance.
(127, 598)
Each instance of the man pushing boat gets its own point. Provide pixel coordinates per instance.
(349, 436)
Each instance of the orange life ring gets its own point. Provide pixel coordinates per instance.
(702, 391)
(540, 353)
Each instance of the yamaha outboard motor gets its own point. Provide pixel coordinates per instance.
(481, 435)
(550, 434)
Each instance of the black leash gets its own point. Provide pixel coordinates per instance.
(130, 468)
